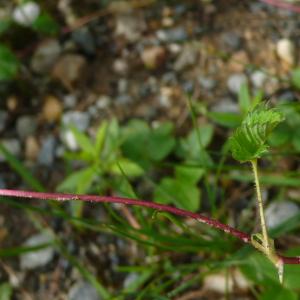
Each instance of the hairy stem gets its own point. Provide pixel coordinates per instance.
(261, 208)
(127, 201)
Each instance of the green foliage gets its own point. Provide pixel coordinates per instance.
(5, 291)
(296, 78)
(249, 140)
(45, 24)
(9, 64)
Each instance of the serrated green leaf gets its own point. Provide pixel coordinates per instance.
(249, 140)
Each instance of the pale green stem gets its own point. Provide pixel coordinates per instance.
(261, 209)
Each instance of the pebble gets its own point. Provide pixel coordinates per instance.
(32, 148)
(26, 126)
(70, 101)
(120, 66)
(83, 291)
(187, 58)
(25, 14)
(69, 139)
(3, 119)
(45, 56)
(207, 83)
(12, 146)
(226, 105)
(130, 26)
(37, 258)
(85, 40)
(235, 82)
(231, 40)
(172, 35)
(47, 152)
(285, 50)
(122, 86)
(258, 78)
(280, 211)
(103, 102)
(153, 57)
(81, 120)
(52, 109)
(124, 99)
(69, 69)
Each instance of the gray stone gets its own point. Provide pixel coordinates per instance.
(186, 58)
(84, 39)
(235, 82)
(122, 86)
(207, 83)
(83, 291)
(232, 40)
(3, 119)
(258, 78)
(26, 126)
(37, 258)
(12, 146)
(47, 152)
(177, 34)
(103, 102)
(70, 101)
(123, 99)
(169, 78)
(226, 105)
(45, 56)
(279, 212)
(81, 120)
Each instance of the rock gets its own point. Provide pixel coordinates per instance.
(83, 291)
(153, 57)
(186, 58)
(52, 109)
(81, 120)
(280, 211)
(69, 69)
(120, 66)
(172, 35)
(223, 284)
(231, 40)
(3, 119)
(103, 102)
(207, 83)
(226, 105)
(69, 139)
(25, 14)
(122, 86)
(238, 62)
(169, 78)
(70, 101)
(124, 99)
(130, 279)
(84, 39)
(37, 258)
(165, 97)
(32, 148)
(235, 82)
(45, 56)
(47, 152)
(130, 26)
(188, 86)
(26, 126)
(285, 50)
(258, 78)
(12, 146)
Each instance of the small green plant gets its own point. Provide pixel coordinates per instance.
(248, 144)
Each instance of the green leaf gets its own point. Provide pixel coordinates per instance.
(277, 292)
(83, 141)
(229, 120)
(189, 174)
(281, 135)
(9, 64)
(4, 25)
(244, 98)
(186, 196)
(249, 140)
(130, 168)
(100, 137)
(296, 78)
(45, 24)
(79, 181)
(5, 291)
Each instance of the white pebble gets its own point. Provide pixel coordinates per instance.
(285, 50)
(25, 14)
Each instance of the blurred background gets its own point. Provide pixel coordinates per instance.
(137, 99)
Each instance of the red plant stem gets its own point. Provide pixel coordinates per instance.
(284, 5)
(127, 201)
